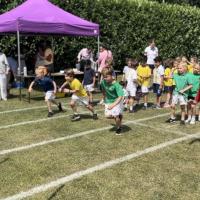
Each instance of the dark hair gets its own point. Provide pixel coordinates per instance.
(88, 62)
(158, 59)
(143, 59)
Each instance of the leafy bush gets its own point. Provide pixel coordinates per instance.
(125, 26)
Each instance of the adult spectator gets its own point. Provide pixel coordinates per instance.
(83, 55)
(4, 69)
(151, 52)
(45, 56)
(104, 55)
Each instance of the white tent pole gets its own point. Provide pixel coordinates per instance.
(19, 65)
(98, 43)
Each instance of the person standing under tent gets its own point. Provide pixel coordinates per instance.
(45, 56)
(84, 55)
(4, 70)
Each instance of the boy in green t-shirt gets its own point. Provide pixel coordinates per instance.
(195, 80)
(113, 97)
(182, 84)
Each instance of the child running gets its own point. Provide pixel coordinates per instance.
(113, 98)
(79, 95)
(49, 87)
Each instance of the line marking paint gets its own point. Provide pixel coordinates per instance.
(45, 142)
(105, 165)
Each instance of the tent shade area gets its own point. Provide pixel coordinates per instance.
(41, 17)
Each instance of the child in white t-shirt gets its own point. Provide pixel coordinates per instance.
(131, 83)
(158, 78)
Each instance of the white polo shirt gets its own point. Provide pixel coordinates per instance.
(151, 53)
(3, 64)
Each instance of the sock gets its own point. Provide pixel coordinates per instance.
(199, 118)
(131, 107)
(125, 106)
(193, 118)
(145, 104)
(172, 117)
(189, 117)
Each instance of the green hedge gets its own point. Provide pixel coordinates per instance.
(126, 26)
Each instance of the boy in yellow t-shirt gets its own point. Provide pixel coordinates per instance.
(144, 75)
(79, 94)
(168, 82)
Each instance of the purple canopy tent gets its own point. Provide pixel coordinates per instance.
(41, 17)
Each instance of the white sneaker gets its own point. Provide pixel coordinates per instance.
(192, 121)
(188, 120)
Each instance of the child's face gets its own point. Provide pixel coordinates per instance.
(196, 69)
(108, 78)
(129, 64)
(175, 64)
(157, 64)
(184, 59)
(68, 78)
(181, 69)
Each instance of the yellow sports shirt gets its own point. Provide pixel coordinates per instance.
(190, 68)
(76, 85)
(144, 75)
(168, 81)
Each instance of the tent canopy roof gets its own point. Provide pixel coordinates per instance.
(43, 17)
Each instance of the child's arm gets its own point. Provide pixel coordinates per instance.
(31, 86)
(161, 82)
(185, 89)
(94, 80)
(117, 101)
(62, 86)
(54, 87)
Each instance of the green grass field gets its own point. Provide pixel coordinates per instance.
(53, 158)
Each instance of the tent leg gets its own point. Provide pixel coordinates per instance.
(19, 66)
(99, 75)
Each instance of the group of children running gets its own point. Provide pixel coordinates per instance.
(179, 78)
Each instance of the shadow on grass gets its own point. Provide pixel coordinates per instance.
(125, 128)
(4, 160)
(195, 140)
(56, 192)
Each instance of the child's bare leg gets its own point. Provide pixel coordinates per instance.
(173, 109)
(145, 99)
(193, 113)
(73, 106)
(131, 102)
(182, 112)
(118, 121)
(189, 112)
(49, 105)
(54, 102)
(168, 98)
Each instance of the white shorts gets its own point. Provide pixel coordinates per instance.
(144, 89)
(114, 112)
(131, 91)
(80, 100)
(178, 98)
(49, 95)
(89, 88)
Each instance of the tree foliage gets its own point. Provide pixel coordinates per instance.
(125, 26)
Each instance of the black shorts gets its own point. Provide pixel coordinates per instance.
(168, 89)
(191, 98)
(156, 90)
(151, 67)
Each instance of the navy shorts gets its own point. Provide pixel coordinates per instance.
(156, 90)
(168, 89)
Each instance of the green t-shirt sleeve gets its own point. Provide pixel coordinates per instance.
(119, 90)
